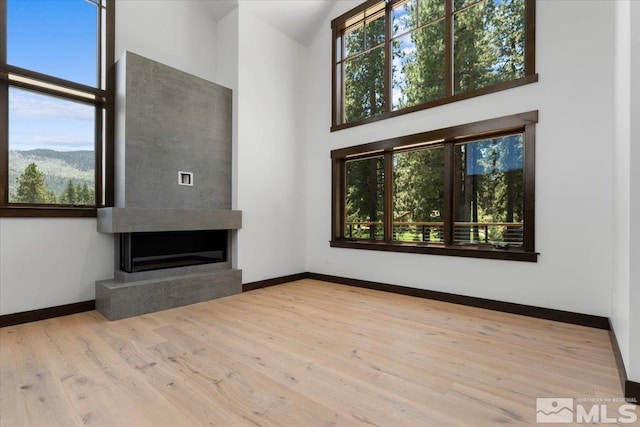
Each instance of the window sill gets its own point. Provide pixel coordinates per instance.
(46, 212)
(511, 254)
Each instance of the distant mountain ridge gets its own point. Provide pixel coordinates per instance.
(58, 167)
(83, 160)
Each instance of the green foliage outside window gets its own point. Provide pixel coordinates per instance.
(56, 131)
(31, 187)
(487, 199)
(490, 199)
(488, 44)
(364, 70)
(418, 195)
(418, 52)
(364, 207)
(487, 48)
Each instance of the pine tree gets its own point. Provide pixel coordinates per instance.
(69, 195)
(419, 57)
(488, 48)
(418, 181)
(364, 194)
(52, 197)
(364, 73)
(79, 200)
(31, 186)
(86, 195)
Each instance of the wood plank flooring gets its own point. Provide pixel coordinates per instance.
(306, 353)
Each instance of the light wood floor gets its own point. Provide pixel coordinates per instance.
(307, 353)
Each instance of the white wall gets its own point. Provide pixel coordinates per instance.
(178, 33)
(620, 308)
(633, 364)
(271, 174)
(227, 75)
(573, 171)
(50, 262)
(625, 312)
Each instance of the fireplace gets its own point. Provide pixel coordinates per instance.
(174, 239)
(170, 249)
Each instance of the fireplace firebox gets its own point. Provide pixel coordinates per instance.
(147, 251)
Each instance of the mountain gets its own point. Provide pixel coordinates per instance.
(58, 167)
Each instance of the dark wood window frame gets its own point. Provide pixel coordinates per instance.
(102, 98)
(339, 24)
(448, 137)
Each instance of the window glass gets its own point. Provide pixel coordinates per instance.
(418, 66)
(488, 44)
(418, 195)
(54, 37)
(489, 191)
(415, 13)
(375, 31)
(364, 201)
(430, 10)
(403, 19)
(364, 85)
(459, 4)
(51, 150)
(354, 41)
(363, 68)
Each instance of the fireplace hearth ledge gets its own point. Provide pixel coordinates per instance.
(136, 220)
(117, 300)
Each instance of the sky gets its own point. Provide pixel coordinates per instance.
(55, 37)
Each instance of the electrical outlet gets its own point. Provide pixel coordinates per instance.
(185, 178)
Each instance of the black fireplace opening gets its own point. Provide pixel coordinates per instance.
(169, 249)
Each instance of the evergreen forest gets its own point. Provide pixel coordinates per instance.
(52, 177)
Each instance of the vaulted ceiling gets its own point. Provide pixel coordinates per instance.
(299, 19)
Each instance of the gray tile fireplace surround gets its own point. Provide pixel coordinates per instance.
(168, 122)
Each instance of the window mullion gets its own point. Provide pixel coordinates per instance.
(388, 90)
(338, 194)
(109, 124)
(338, 97)
(388, 196)
(4, 110)
(529, 187)
(343, 116)
(99, 144)
(448, 194)
(448, 48)
(530, 37)
(3, 32)
(99, 64)
(341, 77)
(4, 142)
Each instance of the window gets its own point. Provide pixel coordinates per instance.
(364, 214)
(397, 56)
(466, 191)
(56, 110)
